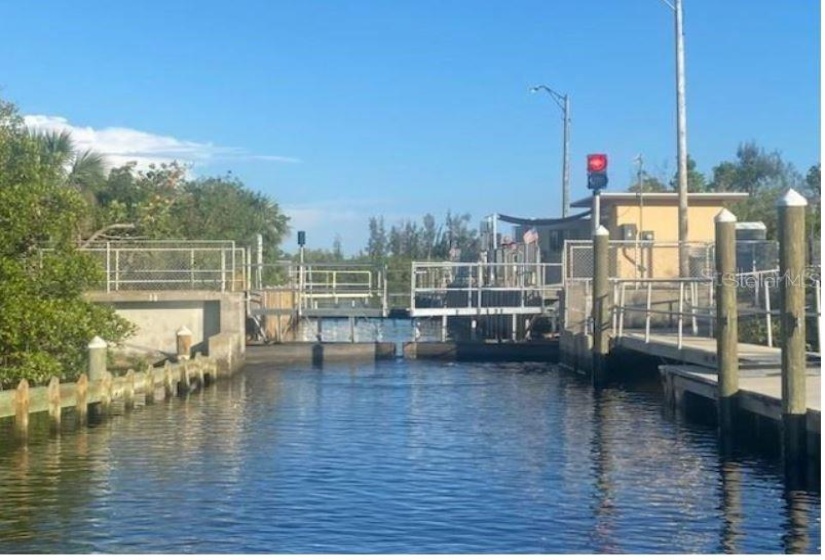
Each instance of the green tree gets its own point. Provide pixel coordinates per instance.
(813, 192)
(649, 184)
(224, 208)
(696, 181)
(377, 243)
(45, 323)
(763, 175)
(162, 203)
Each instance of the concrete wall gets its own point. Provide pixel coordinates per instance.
(663, 220)
(576, 351)
(228, 350)
(159, 315)
(320, 353)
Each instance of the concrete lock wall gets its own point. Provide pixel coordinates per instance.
(159, 315)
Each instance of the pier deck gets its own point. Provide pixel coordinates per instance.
(760, 379)
(697, 350)
(760, 389)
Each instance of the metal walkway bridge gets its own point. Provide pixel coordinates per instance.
(292, 291)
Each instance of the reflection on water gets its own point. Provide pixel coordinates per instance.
(399, 456)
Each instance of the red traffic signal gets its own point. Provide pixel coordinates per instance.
(596, 171)
(596, 163)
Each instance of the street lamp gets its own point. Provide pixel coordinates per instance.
(563, 101)
(681, 137)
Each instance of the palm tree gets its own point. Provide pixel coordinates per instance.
(84, 171)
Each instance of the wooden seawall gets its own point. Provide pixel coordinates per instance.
(97, 396)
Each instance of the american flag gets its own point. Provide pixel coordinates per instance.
(531, 236)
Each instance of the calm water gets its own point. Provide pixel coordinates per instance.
(400, 456)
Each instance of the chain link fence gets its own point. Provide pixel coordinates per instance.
(171, 265)
(658, 259)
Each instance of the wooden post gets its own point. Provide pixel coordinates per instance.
(97, 358)
(129, 390)
(184, 340)
(601, 314)
(727, 328)
(21, 409)
(97, 371)
(200, 374)
(792, 313)
(106, 386)
(168, 381)
(53, 393)
(82, 398)
(149, 385)
(184, 383)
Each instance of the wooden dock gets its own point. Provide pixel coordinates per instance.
(698, 350)
(693, 373)
(760, 390)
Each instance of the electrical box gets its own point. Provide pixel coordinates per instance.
(628, 232)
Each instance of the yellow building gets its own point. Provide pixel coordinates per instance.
(644, 230)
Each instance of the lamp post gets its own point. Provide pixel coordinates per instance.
(563, 101)
(681, 136)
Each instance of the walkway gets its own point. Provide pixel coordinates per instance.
(760, 379)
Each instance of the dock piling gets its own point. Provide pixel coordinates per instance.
(601, 315)
(727, 327)
(53, 395)
(184, 343)
(21, 409)
(97, 369)
(791, 208)
(82, 398)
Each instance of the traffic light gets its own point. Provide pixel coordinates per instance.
(302, 238)
(596, 171)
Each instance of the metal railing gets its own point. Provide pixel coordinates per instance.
(322, 285)
(171, 265)
(451, 288)
(690, 304)
(660, 259)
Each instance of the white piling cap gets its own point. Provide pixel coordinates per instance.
(724, 216)
(792, 198)
(183, 331)
(97, 342)
(601, 230)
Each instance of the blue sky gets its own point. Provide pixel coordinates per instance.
(344, 110)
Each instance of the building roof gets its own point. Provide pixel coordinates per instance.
(666, 197)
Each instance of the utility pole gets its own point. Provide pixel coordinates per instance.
(681, 143)
(563, 101)
(565, 179)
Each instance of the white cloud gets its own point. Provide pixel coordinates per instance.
(121, 145)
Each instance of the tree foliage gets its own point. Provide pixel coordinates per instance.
(649, 184)
(45, 323)
(162, 202)
(428, 240)
(761, 174)
(696, 181)
(411, 241)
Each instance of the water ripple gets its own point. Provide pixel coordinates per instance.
(397, 457)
